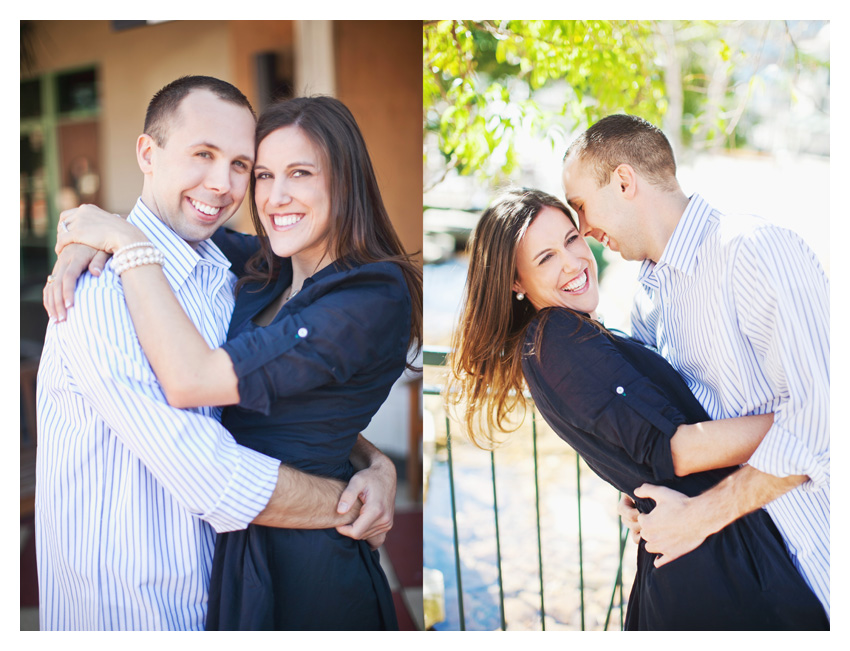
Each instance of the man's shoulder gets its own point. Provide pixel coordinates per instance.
(105, 287)
(738, 228)
(97, 300)
(750, 237)
(741, 227)
(98, 334)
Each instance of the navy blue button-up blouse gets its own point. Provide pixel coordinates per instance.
(314, 377)
(615, 401)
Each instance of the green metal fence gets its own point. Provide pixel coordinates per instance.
(616, 604)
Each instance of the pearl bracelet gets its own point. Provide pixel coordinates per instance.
(135, 255)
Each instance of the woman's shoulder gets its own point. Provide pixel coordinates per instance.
(383, 277)
(568, 343)
(380, 268)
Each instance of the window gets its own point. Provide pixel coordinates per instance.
(59, 169)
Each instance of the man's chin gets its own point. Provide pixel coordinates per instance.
(197, 232)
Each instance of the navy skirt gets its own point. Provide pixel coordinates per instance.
(264, 578)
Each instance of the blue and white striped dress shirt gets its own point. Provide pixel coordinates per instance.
(740, 308)
(130, 490)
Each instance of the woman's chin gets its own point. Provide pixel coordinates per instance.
(281, 251)
(585, 299)
(586, 306)
(586, 303)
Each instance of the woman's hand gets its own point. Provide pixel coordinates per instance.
(96, 228)
(58, 294)
(629, 515)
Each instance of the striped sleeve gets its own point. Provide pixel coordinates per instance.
(781, 296)
(194, 458)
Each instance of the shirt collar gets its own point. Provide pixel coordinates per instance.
(327, 270)
(180, 258)
(682, 250)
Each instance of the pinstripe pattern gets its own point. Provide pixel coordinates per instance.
(130, 490)
(741, 309)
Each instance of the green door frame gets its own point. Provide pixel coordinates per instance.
(48, 123)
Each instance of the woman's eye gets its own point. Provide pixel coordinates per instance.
(298, 173)
(545, 258)
(262, 176)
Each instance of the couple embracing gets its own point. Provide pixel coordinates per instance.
(201, 394)
(712, 418)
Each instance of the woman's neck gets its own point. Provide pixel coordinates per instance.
(304, 267)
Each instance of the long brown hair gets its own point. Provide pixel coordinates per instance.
(361, 230)
(485, 367)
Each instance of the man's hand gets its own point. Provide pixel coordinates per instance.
(58, 294)
(375, 486)
(673, 528)
(629, 515)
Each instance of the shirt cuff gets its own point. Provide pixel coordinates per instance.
(659, 453)
(781, 454)
(252, 482)
(251, 354)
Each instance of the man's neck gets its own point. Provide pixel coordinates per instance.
(667, 209)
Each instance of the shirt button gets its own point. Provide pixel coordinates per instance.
(621, 390)
(302, 332)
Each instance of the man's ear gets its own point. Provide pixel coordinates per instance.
(144, 152)
(626, 179)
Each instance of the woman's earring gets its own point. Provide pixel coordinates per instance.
(520, 296)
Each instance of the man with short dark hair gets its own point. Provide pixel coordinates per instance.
(740, 308)
(129, 489)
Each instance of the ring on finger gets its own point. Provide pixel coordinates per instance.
(64, 226)
(50, 279)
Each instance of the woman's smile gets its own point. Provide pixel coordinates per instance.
(577, 285)
(285, 221)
